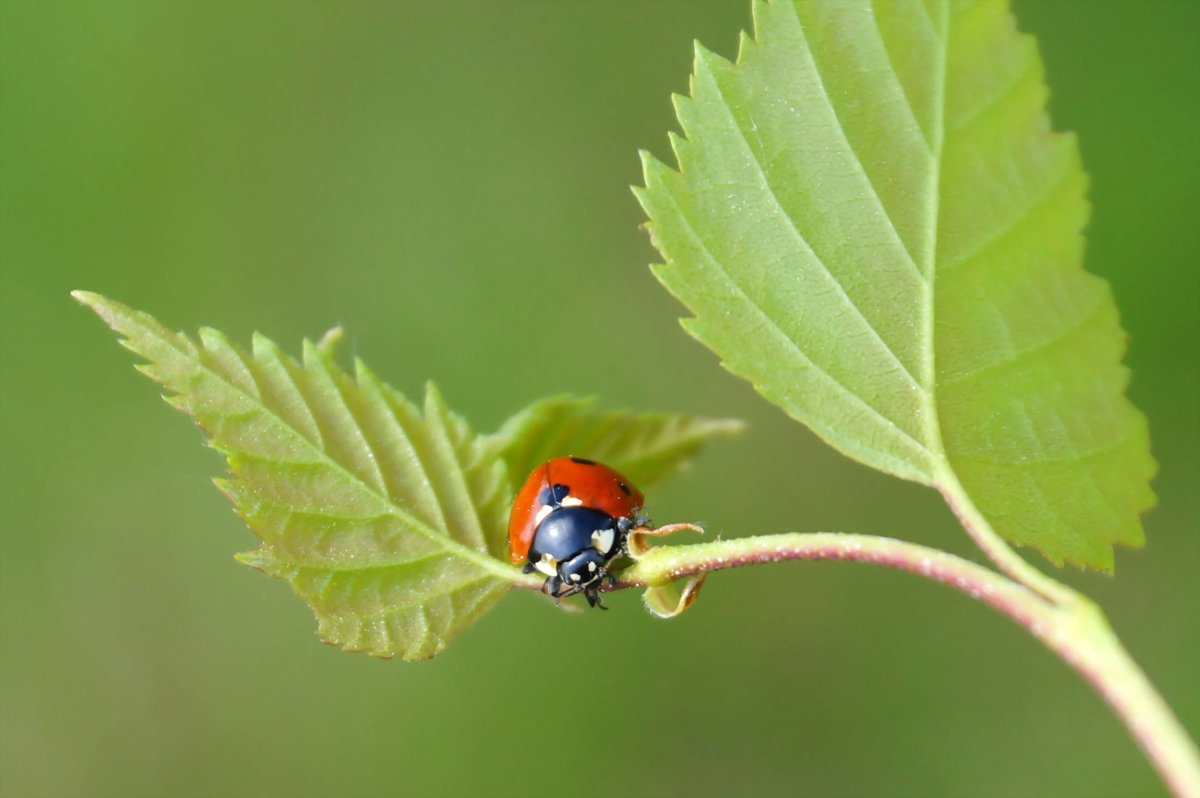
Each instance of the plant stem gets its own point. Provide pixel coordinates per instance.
(1075, 629)
(994, 546)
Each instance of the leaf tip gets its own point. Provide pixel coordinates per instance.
(330, 341)
(103, 307)
(729, 426)
(434, 402)
(230, 490)
(745, 46)
(256, 559)
(654, 173)
(311, 354)
(702, 56)
(650, 165)
(364, 376)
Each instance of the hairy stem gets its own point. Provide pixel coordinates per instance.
(994, 546)
(1075, 629)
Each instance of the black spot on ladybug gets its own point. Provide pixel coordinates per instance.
(552, 495)
(624, 488)
(582, 461)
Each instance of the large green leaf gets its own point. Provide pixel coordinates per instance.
(873, 222)
(388, 523)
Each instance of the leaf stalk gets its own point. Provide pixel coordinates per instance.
(994, 546)
(1075, 629)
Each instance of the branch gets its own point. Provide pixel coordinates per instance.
(1076, 631)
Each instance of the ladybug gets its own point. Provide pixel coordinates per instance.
(569, 521)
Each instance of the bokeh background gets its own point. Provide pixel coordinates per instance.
(449, 181)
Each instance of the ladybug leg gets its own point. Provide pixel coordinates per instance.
(592, 594)
(567, 591)
(527, 568)
(605, 577)
(556, 588)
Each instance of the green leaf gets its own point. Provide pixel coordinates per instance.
(645, 447)
(873, 222)
(388, 522)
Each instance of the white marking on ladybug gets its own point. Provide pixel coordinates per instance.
(575, 577)
(542, 512)
(547, 565)
(602, 540)
(571, 501)
(591, 567)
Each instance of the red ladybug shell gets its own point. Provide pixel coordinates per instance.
(589, 484)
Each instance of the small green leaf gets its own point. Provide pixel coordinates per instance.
(873, 222)
(388, 522)
(669, 600)
(646, 447)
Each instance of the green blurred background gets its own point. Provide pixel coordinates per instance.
(449, 181)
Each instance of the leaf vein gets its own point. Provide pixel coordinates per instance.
(417, 605)
(912, 112)
(778, 331)
(1076, 457)
(855, 157)
(380, 483)
(1045, 344)
(1012, 224)
(766, 184)
(981, 108)
(447, 543)
(285, 365)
